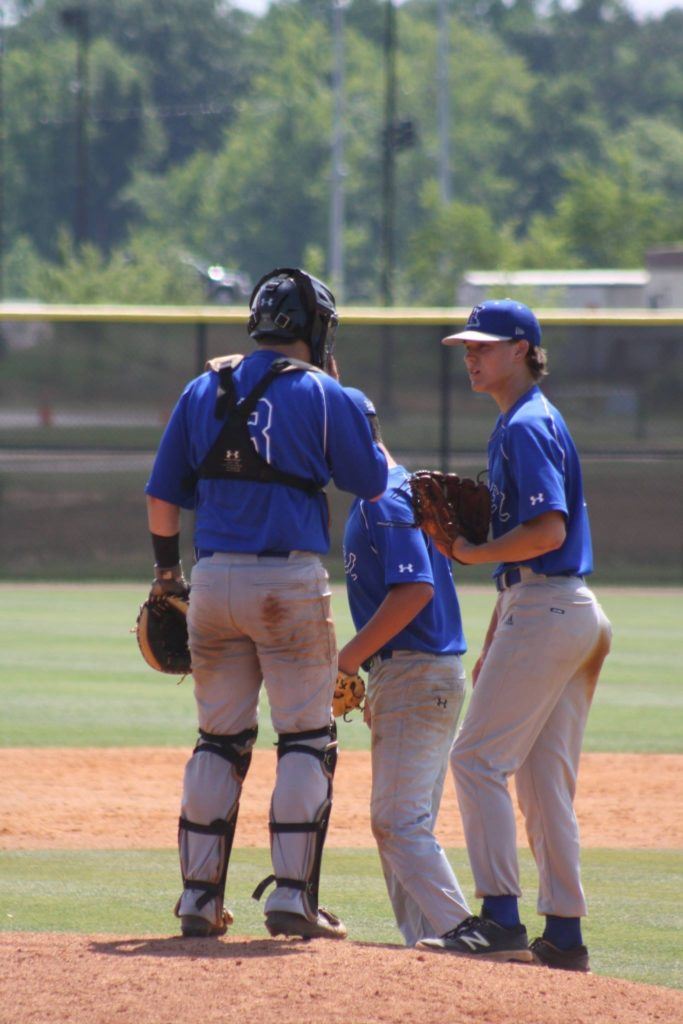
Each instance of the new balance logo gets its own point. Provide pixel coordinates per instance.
(406, 568)
(537, 498)
(474, 939)
(509, 621)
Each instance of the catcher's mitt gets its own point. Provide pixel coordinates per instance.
(161, 629)
(349, 694)
(447, 506)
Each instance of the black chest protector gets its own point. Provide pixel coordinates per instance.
(233, 456)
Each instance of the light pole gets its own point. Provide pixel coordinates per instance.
(443, 105)
(76, 19)
(336, 258)
(389, 156)
(2, 151)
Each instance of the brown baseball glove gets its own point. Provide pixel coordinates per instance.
(161, 629)
(349, 694)
(447, 506)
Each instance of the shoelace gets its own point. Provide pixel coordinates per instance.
(469, 922)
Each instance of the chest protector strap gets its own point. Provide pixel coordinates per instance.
(233, 455)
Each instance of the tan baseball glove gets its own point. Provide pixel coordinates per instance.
(349, 694)
(447, 506)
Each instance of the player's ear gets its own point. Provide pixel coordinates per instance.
(521, 348)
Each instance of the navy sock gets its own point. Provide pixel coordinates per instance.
(563, 932)
(501, 909)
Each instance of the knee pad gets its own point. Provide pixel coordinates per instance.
(300, 812)
(213, 785)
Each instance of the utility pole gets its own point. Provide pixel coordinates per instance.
(2, 152)
(389, 157)
(336, 257)
(443, 104)
(77, 19)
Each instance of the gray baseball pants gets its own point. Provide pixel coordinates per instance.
(253, 620)
(527, 717)
(415, 701)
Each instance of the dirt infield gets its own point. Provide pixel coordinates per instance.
(96, 799)
(127, 798)
(63, 979)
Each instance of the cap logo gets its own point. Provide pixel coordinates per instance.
(474, 317)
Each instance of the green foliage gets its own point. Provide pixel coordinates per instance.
(145, 271)
(209, 130)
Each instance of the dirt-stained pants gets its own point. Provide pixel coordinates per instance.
(527, 717)
(415, 701)
(251, 619)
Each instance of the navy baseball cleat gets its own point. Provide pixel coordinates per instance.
(483, 939)
(193, 926)
(326, 925)
(548, 955)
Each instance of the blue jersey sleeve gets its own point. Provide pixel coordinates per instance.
(356, 463)
(172, 477)
(401, 548)
(537, 463)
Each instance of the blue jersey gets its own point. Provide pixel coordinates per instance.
(534, 468)
(379, 555)
(304, 424)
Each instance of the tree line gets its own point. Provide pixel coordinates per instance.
(206, 131)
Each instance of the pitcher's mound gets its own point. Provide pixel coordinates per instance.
(52, 979)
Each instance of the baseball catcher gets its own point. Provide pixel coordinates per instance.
(161, 625)
(447, 506)
(349, 694)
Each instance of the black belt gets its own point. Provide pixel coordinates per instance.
(514, 576)
(206, 553)
(386, 654)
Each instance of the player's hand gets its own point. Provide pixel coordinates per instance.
(478, 665)
(462, 551)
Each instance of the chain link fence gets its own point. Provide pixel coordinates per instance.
(84, 395)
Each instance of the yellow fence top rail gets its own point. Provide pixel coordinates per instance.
(348, 314)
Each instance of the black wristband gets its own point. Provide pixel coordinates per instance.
(166, 550)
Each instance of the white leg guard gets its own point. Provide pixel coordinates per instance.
(299, 816)
(213, 784)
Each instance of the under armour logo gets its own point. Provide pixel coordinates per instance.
(406, 568)
(534, 498)
(442, 702)
(232, 461)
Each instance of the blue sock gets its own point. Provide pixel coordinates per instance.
(501, 909)
(563, 932)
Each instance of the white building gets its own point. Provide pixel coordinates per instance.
(658, 286)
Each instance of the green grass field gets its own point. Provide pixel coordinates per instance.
(73, 676)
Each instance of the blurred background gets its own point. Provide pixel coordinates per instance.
(417, 156)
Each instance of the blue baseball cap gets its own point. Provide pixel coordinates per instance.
(499, 320)
(362, 401)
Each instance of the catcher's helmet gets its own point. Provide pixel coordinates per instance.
(288, 304)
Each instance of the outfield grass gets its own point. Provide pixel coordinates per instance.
(133, 893)
(73, 675)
